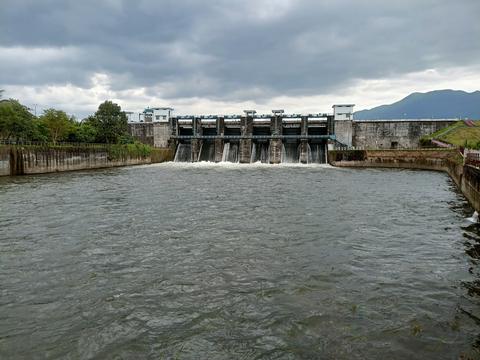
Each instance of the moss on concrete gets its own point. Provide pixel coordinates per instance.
(161, 155)
(136, 150)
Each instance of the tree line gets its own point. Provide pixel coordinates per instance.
(108, 125)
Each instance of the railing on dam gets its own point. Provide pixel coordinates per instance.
(256, 116)
(472, 157)
(253, 137)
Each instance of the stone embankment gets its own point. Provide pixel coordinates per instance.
(466, 177)
(26, 160)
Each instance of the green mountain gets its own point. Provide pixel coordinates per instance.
(439, 104)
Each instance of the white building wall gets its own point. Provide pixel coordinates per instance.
(135, 116)
(150, 115)
(343, 115)
(343, 112)
(161, 115)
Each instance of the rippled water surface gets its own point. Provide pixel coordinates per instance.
(225, 262)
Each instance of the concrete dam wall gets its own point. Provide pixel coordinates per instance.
(393, 134)
(153, 134)
(279, 138)
(25, 160)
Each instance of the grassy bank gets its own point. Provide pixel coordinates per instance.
(458, 134)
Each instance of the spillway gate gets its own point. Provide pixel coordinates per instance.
(274, 139)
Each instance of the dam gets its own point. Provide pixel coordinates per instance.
(250, 138)
(274, 138)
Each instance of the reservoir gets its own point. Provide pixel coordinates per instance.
(228, 261)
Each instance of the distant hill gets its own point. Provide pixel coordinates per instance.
(434, 104)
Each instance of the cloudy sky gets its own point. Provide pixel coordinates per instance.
(223, 56)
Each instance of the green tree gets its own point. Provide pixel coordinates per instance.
(16, 122)
(58, 124)
(83, 132)
(40, 131)
(110, 122)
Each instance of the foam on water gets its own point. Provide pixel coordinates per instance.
(227, 164)
(473, 218)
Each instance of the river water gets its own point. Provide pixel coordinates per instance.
(198, 261)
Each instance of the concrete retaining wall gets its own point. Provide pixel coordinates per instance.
(470, 185)
(394, 134)
(411, 159)
(4, 161)
(142, 132)
(161, 135)
(47, 161)
(18, 160)
(154, 134)
(466, 177)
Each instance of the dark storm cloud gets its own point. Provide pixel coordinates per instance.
(232, 49)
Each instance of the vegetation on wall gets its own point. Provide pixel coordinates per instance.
(114, 151)
(125, 151)
(461, 133)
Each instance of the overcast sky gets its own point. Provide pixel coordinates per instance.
(223, 56)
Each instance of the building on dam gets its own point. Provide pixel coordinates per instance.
(274, 138)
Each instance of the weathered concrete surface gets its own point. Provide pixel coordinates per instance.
(275, 151)
(47, 161)
(154, 134)
(245, 151)
(344, 131)
(36, 160)
(162, 155)
(161, 135)
(427, 159)
(245, 145)
(276, 127)
(218, 150)
(142, 132)
(4, 161)
(303, 152)
(466, 177)
(196, 148)
(469, 184)
(390, 134)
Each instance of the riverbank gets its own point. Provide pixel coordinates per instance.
(466, 177)
(42, 159)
